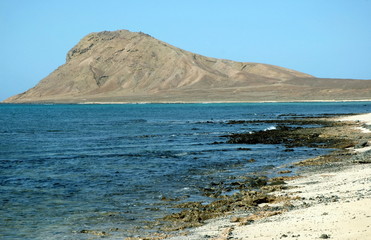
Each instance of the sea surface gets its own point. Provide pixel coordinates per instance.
(66, 169)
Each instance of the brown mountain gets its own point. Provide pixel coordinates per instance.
(123, 66)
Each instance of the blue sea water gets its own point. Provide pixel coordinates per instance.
(68, 168)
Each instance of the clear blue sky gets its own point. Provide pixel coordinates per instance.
(325, 38)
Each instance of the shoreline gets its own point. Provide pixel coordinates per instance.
(328, 208)
(221, 102)
(327, 201)
(237, 171)
(185, 102)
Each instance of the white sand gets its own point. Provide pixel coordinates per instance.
(366, 118)
(347, 218)
(362, 118)
(335, 205)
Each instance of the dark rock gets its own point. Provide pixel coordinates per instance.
(256, 182)
(324, 236)
(93, 232)
(361, 145)
(362, 158)
(244, 149)
(276, 182)
(292, 137)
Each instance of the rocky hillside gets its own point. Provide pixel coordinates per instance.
(124, 66)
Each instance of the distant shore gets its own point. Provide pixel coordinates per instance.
(211, 102)
(328, 200)
(182, 102)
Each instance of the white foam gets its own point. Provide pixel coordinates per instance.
(270, 128)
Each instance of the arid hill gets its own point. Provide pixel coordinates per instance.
(124, 66)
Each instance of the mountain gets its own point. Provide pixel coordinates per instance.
(123, 66)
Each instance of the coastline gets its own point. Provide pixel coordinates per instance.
(328, 201)
(241, 167)
(181, 102)
(216, 102)
(333, 205)
(210, 102)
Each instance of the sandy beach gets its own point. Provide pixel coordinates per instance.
(328, 202)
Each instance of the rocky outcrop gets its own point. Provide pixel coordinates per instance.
(123, 66)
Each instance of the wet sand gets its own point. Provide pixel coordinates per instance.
(328, 201)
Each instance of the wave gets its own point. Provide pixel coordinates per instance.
(270, 128)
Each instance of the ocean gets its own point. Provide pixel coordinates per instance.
(66, 169)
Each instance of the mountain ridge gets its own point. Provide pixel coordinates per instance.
(124, 66)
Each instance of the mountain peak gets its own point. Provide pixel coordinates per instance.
(92, 39)
(128, 66)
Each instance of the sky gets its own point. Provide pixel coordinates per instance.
(324, 38)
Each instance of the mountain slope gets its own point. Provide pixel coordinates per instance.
(134, 67)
